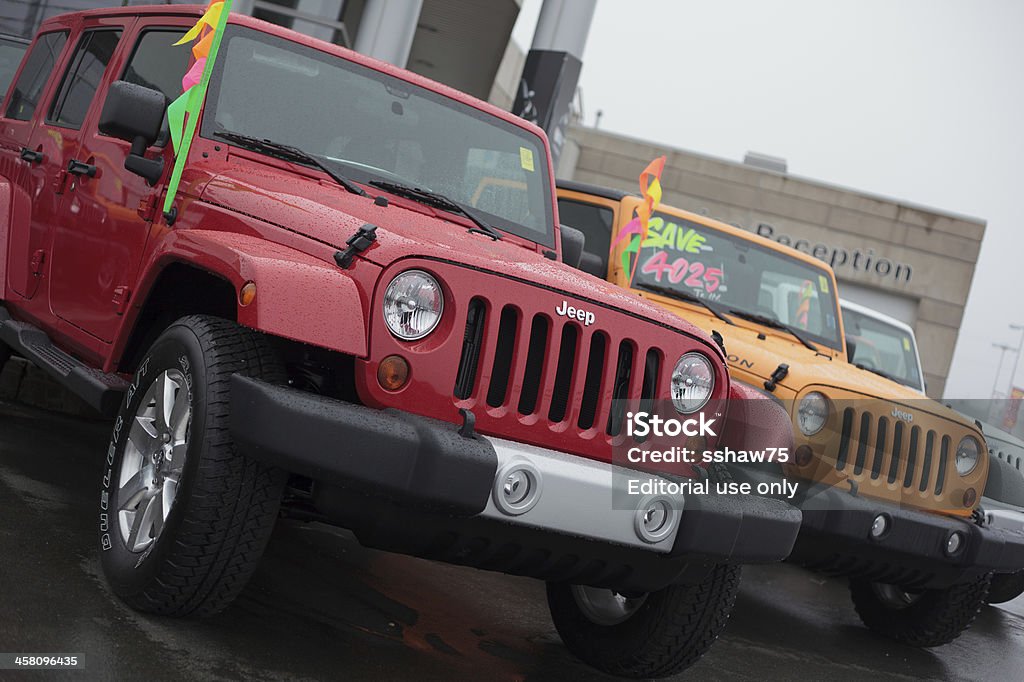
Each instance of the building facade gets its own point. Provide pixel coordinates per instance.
(461, 43)
(911, 262)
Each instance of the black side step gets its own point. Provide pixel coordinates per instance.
(100, 390)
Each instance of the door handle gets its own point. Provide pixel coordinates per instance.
(76, 167)
(32, 156)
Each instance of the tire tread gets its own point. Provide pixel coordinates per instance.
(234, 504)
(937, 618)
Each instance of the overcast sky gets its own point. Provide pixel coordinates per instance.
(922, 100)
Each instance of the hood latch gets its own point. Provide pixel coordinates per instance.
(363, 239)
(778, 375)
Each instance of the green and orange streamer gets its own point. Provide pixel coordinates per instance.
(183, 113)
(650, 188)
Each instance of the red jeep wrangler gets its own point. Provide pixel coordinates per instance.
(356, 309)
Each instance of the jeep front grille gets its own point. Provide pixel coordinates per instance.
(559, 370)
(876, 447)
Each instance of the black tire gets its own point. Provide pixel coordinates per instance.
(932, 618)
(225, 507)
(5, 355)
(669, 632)
(1006, 587)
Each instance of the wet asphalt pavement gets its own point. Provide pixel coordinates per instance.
(322, 607)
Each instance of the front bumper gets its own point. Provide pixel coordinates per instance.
(415, 485)
(1005, 516)
(836, 538)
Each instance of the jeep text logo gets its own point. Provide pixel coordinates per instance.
(566, 310)
(900, 414)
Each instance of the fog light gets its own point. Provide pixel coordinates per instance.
(655, 519)
(804, 454)
(247, 294)
(392, 372)
(970, 497)
(517, 487)
(880, 526)
(954, 543)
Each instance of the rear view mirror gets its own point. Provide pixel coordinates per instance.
(135, 113)
(851, 349)
(573, 242)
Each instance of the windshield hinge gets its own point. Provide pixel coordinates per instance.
(147, 208)
(364, 237)
(778, 375)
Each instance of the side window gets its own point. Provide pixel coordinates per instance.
(94, 52)
(158, 65)
(11, 53)
(32, 80)
(595, 222)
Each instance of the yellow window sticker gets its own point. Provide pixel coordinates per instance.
(906, 344)
(823, 284)
(526, 158)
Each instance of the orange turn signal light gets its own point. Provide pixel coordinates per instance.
(970, 497)
(392, 372)
(247, 294)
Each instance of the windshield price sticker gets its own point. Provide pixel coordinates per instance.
(526, 159)
(695, 275)
(663, 237)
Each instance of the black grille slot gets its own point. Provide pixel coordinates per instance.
(620, 389)
(592, 384)
(503, 356)
(897, 445)
(465, 379)
(563, 373)
(534, 365)
(844, 440)
(926, 465)
(862, 442)
(915, 439)
(649, 389)
(940, 475)
(876, 464)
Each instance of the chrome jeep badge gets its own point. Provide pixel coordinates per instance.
(584, 316)
(900, 414)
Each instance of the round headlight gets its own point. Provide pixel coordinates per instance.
(412, 305)
(967, 454)
(812, 413)
(693, 379)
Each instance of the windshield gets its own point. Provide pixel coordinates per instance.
(739, 275)
(377, 127)
(881, 346)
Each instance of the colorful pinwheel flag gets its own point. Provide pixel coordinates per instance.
(650, 188)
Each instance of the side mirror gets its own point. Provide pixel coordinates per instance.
(592, 264)
(851, 349)
(134, 113)
(572, 246)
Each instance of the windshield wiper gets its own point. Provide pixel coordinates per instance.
(289, 153)
(437, 200)
(775, 324)
(684, 296)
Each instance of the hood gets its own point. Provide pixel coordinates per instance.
(326, 213)
(749, 354)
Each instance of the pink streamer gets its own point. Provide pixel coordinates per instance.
(631, 228)
(194, 75)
